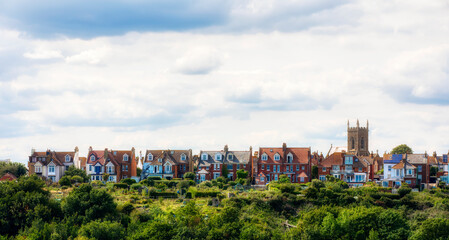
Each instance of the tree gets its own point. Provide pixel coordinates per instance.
(242, 174)
(432, 228)
(138, 171)
(189, 175)
(128, 181)
(105, 177)
(433, 171)
(87, 204)
(314, 172)
(102, 230)
(65, 181)
(284, 179)
(402, 149)
(17, 169)
(224, 170)
(73, 171)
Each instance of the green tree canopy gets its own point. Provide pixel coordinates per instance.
(18, 169)
(189, 175)
(242, 174)
(73, 171)
(402, 149)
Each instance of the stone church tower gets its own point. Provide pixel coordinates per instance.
(358, 140)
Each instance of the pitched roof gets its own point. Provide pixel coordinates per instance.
(303, 174)
(171, 156)
(8, 177)
(337, 158)
(58, 158)
(417, 158)
(238, 157)
(400, 165)
(300, 155)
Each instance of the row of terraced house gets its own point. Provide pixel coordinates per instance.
(353, 164)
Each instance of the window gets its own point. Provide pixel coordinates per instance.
(289, 158)
(268, 167)
(67, 158)
(360, 169)
(389, 168)
(409, 172)
(150, 157)
(337, 176)
(277, 157)
(238, 166)
(111, 179)
(92, 158)
(37, 169)
(216, 175)
(230, 157)
(297, 167)
(348, 167)
(183, 157)
(419, 168)
(51, 169)
(97, 169)
(67, 167)
(301, 179)
(168, 168)
(324, 169)
(408, 182)
(264, 157)
(204, 156)
(244, 166)
(362, 143)
(216, 166)
(352, 143)
(348, 160)
(419, 177)
(275, 177)
(262, 179)
(359, 178)
(125, 157)
(203, 177)
(218, 157)
(323, 177)
(207, 168)
(229, 166)
(90, 167)
(287, 169)
(263, 166)
(184, 167)
(303, 168)
(335, 167)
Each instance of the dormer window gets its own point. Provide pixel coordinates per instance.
(67, 158)
(204, 156)
(230, 157)
(218, 156)
(125, 157)
(160, 159)
(92, 158)
(277, 157)
(150, 157)
(264, 157)
(290, 158)
(183, 157)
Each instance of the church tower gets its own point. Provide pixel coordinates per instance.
(358, 140)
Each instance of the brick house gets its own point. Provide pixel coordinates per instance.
(166, 164)
(346, 167)
(211, 163)
(51, 165)
(273, 162)
(117, 164)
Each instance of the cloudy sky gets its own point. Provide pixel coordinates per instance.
(205, 73)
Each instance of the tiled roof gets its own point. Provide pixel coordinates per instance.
(417, 158)
(337, 158)
(400, 165)
(238, 157)
(172, 156)
(303, 174)
(58, 158)
(300, 155)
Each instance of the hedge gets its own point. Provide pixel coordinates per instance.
(163, 194)
(120, 185)
(207, 194)
(154, 178)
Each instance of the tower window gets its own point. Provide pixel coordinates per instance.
(352, 143)
(362, 143)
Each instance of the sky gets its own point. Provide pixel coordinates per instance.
(199, 74)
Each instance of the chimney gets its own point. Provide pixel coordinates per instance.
(76, 149)
(226, 149)
(358, 125)
(33, 151)
(105, 155)
(256, 154)
(90, 149)
(284, 147)
(250, 149)
(435, 154)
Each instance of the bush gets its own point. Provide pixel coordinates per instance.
(404, 190)
(205, 184)
(126, 208)
(154, 178)
(65, 181)
(128, 181)
(121, 185)
(77, 179)
(207, 194)
(183, 184)
(97, 183)
(136, 186)
(189, 175)
(102, 230)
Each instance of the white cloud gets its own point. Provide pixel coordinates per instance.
(43, 54)
(199, 60)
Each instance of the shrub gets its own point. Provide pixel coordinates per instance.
(102, 230)
(77, 179)
(207, 194)
(126, 208)
(154, 178)
(121, 185)
(404, 190)
(189, 175)
(65, 181)
(183, 184)
(128, 181)
(97, 183)
(136, 186)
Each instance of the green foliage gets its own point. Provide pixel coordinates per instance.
(73, 171)
(102, 230)
(433, 171)
(242, 174)
(65, 181)
(154, 178)
(121, 185)
(23, 202)
(126, 208)
(136, 186)
(87, 204)
(402, 149)
(404, 190)
(183, 185)
(76, 179)
(314, 172)
(17, 169)
(432, 228)
(138, 171)
(105, 177)
(128, 181)
(224, 170)
(284, 179)
(189, 175)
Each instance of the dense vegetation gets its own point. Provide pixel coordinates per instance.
(17, 169)
(219, 209)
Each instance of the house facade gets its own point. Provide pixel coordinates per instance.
(51, 165)
(273, 162)
(346, 167)
(166, 164)
(211, 163)
(116, 164)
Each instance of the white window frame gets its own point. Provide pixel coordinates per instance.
(230, 157)
(204, 156)
(38, 169)
(110, 169)
(183, 157)
(218, 157)
(50, 167)
(150, 157)
(92, 158)
(277, 157)
(125, 157)
(264, 157)
(290, 158)
(67, 158)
